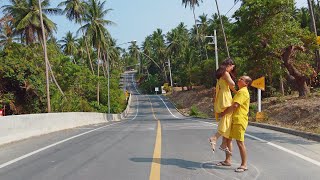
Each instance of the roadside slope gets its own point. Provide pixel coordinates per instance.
(301, 114)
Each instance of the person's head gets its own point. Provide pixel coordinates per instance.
(244, 81)
(227, 65)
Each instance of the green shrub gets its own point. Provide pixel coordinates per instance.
(195, 112)
(253, 108)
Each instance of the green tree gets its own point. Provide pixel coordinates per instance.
(193, 4)
(261, 28)
(95, 29)
(134, 53)
(69, 44)
(75, 10)
(27, 18)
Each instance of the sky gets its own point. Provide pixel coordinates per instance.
(135, 20)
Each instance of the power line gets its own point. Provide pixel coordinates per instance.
(232, 7)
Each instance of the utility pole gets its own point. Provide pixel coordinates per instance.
(46, 59)
(214, 41)
(170, 73)
(314, 29)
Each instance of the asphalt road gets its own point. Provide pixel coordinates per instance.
(155, 142)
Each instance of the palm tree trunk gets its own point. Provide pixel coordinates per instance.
(314, 29)
(87, 49)
(224, 34)
(55, 81)
(46, 59)
(205, 48)
(50, 69)
(197, 36)
(165, 73)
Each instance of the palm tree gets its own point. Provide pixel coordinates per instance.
(202, 30)
(149, 54)
(134, 53)
(113, 53)
(74, 10)
(81, 49)
(95, 30)
(27, 18)
(193, 4)
(159, 48)
(177, 40)
(69, 45)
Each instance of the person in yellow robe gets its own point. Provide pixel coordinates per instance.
(222, 100)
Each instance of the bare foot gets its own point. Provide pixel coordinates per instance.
(212, 142)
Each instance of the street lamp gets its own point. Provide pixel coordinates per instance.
(151, 59)
(214, 41)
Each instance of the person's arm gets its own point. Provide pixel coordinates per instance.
(230, 82)
(229, 109)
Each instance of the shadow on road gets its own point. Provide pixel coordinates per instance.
(186, 164)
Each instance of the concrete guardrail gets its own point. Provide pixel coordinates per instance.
(18, 127)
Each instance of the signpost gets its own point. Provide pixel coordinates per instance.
(156, 89)
(260, 85)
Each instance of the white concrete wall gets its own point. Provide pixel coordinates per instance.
(18, 127)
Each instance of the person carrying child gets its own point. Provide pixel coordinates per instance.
(239, 110)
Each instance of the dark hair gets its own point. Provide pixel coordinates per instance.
(223, 67)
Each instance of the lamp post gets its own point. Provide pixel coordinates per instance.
(151, 59)
(214, 41)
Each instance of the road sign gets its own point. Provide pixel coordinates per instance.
(156, 89)
(259, 83)
(162, 90)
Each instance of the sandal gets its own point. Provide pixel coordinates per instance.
(226, 149)
(222, 163)
(213, 144)
(241, 169)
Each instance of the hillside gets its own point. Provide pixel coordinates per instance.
(289, 111)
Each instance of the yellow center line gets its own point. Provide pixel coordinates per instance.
(156, 160)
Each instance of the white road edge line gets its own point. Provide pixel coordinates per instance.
(280, 147)
(49, 146)
(168, 108)
(287, 150)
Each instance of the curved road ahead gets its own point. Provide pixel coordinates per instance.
(155, 142)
